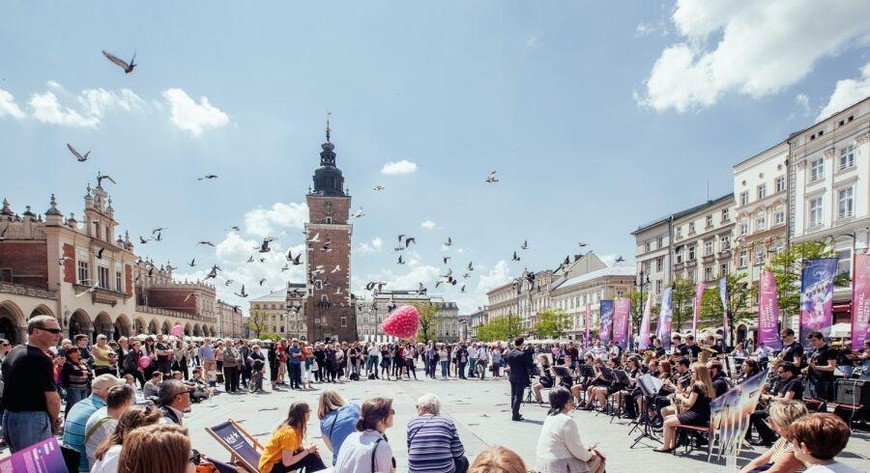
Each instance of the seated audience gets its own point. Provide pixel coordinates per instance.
(817, 439)
(497, 459)
(367, 450)
(161, 448)
(780, 457)
(102, 423)
(106, 454)
(560, 449)
(433, 440)
(284, 451)
(151, 387)
(174, 399)
(74, 430)
(337, 420)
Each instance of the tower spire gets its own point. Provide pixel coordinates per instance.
(328, 129)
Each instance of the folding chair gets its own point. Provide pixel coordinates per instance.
(244, 449)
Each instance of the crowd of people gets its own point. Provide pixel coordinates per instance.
(101, 397)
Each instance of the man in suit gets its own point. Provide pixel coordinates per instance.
(520, 364)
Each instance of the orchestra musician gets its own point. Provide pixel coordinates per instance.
(697, 403)
(788, 388)
(748, 369)
(792, 350)
(583, 383)
(632, 391)
(820, 369)
(546, 377)
(721, 384)
(671, 383)
(597, 389)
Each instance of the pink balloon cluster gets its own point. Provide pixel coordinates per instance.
(403, 322)
(178, 331)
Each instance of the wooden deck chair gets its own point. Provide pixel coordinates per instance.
(244, 449)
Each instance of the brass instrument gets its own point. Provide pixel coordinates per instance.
(648, 356)
(677, 400)
(763, 399)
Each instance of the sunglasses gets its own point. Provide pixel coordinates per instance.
(55, 331)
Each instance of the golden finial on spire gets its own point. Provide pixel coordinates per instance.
(328, 129)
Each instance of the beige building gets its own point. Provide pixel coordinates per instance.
(702, 240)
(229, 320)
(281, 312)
(571, 295)
(371, 314)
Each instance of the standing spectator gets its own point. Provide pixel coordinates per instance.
(164, 356)
(337, 420)
(472, 360)
(284, 451)
(294, 356)
(273, 365)
(102, 423)
(496, 360)
(5, 347)
(81, 341)
(281, 355)
(817, 439)
(131, 362)
(245, 367)
(483, 356)
(520, 370)
(433, 440)
(232, 361)
(307, 366)
(75, 377)
(331, 362)
(258, 366)
(372, 362)
(156, 449)
(104, 357)
(461, 360)
(30, 396)
(151, 352)
(75, 429)
(367, 450)
(106, 455)
(121, 355)
(180, 359)
(207, 357)
(444, 360)
(410, 353)
(560, 449)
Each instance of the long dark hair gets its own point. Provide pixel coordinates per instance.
(559, 397)
(296, 417)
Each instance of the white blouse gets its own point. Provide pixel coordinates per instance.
(560, 448)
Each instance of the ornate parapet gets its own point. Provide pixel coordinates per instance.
(175, 314)
(30, 291)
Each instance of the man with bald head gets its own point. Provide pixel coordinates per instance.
(30, 397)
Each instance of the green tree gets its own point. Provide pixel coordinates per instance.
(737, 301)
(787, 266)
(506, 327)
(552, 323)
(430, 320)
(256, 323)
(270, 336)
(681, 302)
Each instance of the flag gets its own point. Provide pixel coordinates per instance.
(817, 296)
(723, 295)
(588, 324)
(622, 307)
(643, 344)
(605, 320)
(861, 300)
(768, 311)
(699, 293)
(663, 330)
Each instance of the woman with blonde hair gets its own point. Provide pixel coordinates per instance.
(780, 457)
(158, 448)
(284, 451)
(497, 459)
(337, 420)
(107, 453)
(697, 404)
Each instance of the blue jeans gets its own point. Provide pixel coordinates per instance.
(26, 428)
(472, 365)
(74, 395)
(444, 365)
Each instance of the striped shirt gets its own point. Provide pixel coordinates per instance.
(433, 443)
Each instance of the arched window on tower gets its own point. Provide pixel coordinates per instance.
(327, 220)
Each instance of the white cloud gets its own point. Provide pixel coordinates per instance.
(428, 225)
(374, 247)
(269, 222)
(8, 107)
(760, 49)
(802, 101)
(846, 93)
(532, 41)
(495, 277)
(98, 101)
(399, 167)
(193, 117)
(46, 108)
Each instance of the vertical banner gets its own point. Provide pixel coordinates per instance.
(723, 295)
(643, 344)
(663, 329)
(699, 294)
(43, 457)
(729, 414)
(588, 325)
(605, 320)
(768, 312)
(861, 300)
(817, 296)
(621, 309)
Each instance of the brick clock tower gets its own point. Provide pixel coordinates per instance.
(329, 310)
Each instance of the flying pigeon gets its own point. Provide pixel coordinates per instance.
(401, 261)
(157, 230)
(63, 259)
(471, 266)
(262, 281)
(208, 243)
(158, 237)
(378, 188)
(207, 176)
(358, 213)
(233, 227)
(142, 240)
(491, 178)
(399, 248)
(315, 239)
(81, 157)
(192, 263)
(619, 259)
(336, 269)
(445, 259)
(128, 68)
(449, 242)
(401, 237)
(90, 289)
(264, 248)
(243, 293)
(250, 259)
(410, 240)
(525, 245)
(515, 257)
(100, 253)
(189, 296)
(229, 281)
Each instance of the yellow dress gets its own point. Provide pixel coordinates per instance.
(285, 438)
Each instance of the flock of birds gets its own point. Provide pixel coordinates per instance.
(317, 277)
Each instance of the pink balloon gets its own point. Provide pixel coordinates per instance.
(178, 331)
(144, 362)
(403, 322)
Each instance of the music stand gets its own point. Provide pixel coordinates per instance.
(649, 386)
(622, 377)
(586, 371)
(565, 378)
(607, 374)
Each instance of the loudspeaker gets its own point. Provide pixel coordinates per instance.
(852, 392)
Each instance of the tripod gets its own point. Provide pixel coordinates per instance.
(646, 430)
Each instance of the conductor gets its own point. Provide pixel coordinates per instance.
(520, 364)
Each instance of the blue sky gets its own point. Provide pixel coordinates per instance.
(598, 116)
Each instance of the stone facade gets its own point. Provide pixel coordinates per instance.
(371, 314)
(281, 312)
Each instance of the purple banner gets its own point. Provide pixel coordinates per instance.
(643, 344)
(861, 301)
(44, 457)
(768, 312)
(605, 320)
(588, 324)
(621, 309)
(663, 329)
(817, 296)
(699, 293)
(723, 296)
